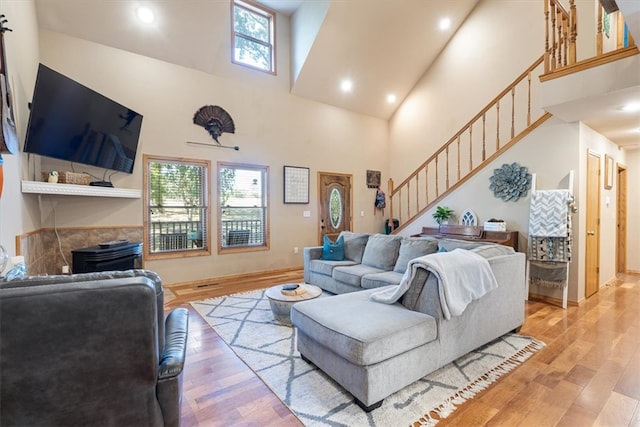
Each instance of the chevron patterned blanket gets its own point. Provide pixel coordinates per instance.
(550, 213)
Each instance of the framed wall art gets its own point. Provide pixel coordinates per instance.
(296, 185)
(373, 179)
(609, 164)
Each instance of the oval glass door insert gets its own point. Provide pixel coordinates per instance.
(335, 208)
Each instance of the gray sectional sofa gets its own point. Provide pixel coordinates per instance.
(374, 260)
(374, 349)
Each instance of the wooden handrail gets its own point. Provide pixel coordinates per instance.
(433, 170)
(490, 105)
(559, 58)
(595, 61)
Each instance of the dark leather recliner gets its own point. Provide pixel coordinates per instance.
(90, 349)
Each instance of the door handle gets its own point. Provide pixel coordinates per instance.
(591, 233)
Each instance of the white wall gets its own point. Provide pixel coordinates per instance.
(550, 152)
(16, 214)
(475, 66)
(273, 128)
(591, 140)
(305, 24)
(633, 211)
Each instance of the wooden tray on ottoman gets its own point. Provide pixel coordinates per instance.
(281, 303)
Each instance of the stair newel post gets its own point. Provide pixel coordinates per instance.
(559, 20)
(547, 53)
(573, 32)
(417, 192)
(470, 148)
(408, 199)
(553, 36)
(565, 38)
(513, 112)
(437, 171)
(599, 49)
(447, 168)
(484, 141)
(497, 125)
(426, 184)
(458, 153)
(390, 193)
(529, 99)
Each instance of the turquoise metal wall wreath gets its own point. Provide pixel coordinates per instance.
(510, 182)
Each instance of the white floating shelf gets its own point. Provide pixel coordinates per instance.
(79, 190)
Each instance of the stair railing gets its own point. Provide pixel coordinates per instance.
(481, 140)
(561, 31)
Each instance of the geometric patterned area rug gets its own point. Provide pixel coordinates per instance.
(268, 346)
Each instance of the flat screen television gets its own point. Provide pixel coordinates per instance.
(69, 121)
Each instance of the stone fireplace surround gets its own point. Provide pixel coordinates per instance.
(43, 252)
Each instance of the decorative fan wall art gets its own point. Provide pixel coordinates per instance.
(216, 121)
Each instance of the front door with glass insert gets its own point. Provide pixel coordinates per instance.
(335, 204)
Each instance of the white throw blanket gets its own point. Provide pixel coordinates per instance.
(463, 276)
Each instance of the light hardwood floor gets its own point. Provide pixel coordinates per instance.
(587, 375)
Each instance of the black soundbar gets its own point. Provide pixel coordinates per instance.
(101, 184)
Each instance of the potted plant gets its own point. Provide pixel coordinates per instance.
(442, 214)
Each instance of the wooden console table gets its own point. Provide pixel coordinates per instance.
(474, 233)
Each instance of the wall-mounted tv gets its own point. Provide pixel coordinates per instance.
(69, 121)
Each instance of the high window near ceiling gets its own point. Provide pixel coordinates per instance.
(253, 36)
(243, 218)
(177, 214)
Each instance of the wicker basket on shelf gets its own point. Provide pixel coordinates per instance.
(69, 178)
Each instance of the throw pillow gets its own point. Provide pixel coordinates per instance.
(381, 251)
(354, 244)
(411, 248)
(333, 251)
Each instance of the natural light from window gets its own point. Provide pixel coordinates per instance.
(243, 215)
(177, 207)
(253, 36)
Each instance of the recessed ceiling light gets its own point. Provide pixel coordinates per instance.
(631, 107)
(346, 85)
(391, 98)
(445, 23)
(145, 14)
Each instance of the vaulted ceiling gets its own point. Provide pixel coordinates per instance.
(383, 46)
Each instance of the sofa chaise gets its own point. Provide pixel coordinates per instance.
(91, 349)
(374, 349)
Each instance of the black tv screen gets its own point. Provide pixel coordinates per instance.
(69, 121)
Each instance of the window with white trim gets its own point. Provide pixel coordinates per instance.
(253, 36)
(177, 210)
(243, 219)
